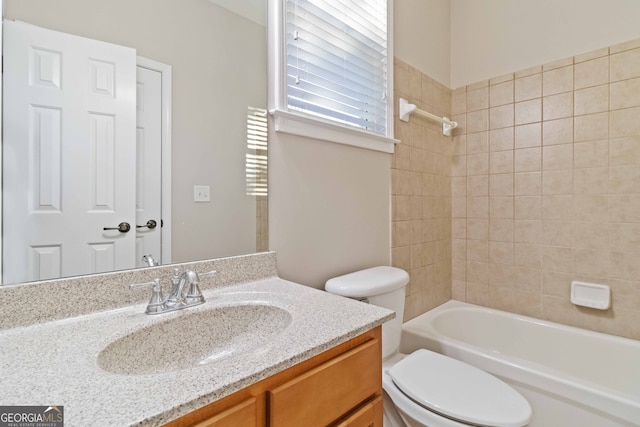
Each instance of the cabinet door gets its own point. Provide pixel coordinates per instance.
(327, 392)
(369, 415)
(243, 414)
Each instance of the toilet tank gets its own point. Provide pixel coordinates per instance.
(381, 286)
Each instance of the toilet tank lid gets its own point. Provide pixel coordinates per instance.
(368, 283)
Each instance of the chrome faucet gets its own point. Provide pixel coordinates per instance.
(148, 259)
(178, 283)
(178, 298)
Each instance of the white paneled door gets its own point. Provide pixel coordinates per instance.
(69, 159)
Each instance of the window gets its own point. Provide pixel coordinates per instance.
(256, 159)
(334, 69)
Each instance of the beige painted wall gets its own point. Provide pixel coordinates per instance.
(329, 208)
(490, 38)
(219, 68)
(422, 35)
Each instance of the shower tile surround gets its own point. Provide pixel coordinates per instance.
(545, 189)
(421, 192)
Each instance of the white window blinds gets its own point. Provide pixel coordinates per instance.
(336, 61)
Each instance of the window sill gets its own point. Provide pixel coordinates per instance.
(297, 124)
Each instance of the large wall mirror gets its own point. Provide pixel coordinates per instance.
(131, 128)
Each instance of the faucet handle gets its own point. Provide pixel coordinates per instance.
(156, 303)
(194, 295)
(208, 273)
(151, 284)
(175, 279)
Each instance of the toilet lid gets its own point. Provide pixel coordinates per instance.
(367, 283)
(459, 391)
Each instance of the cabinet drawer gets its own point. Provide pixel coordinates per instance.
(369, 415)
(242, 414)
(325, 393)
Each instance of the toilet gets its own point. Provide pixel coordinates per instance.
(424, 388)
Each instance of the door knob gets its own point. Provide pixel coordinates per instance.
(151, 224)
(123, 227)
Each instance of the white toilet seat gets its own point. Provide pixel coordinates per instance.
(385, 287)
(428, 386)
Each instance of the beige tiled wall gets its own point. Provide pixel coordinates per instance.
(421, 191)
(262, 224)
(546, 189)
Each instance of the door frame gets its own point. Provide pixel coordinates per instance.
(165, 230)
(1, 138)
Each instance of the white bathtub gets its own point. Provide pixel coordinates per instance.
(571, 377)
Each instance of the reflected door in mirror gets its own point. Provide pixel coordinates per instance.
(69, 130)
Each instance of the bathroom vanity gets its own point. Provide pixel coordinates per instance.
(340, 387)
(260, 351)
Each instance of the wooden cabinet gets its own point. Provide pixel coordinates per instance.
(327, 391)
(367, 415)
(242, 414)
(340, 387)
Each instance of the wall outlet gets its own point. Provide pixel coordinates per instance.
(201, 193)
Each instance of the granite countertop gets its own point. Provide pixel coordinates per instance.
(55, 363)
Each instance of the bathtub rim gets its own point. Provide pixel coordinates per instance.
(609, 401)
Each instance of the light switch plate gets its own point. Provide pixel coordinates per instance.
(201, 193)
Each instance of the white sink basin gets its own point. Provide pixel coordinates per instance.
(194, 339)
